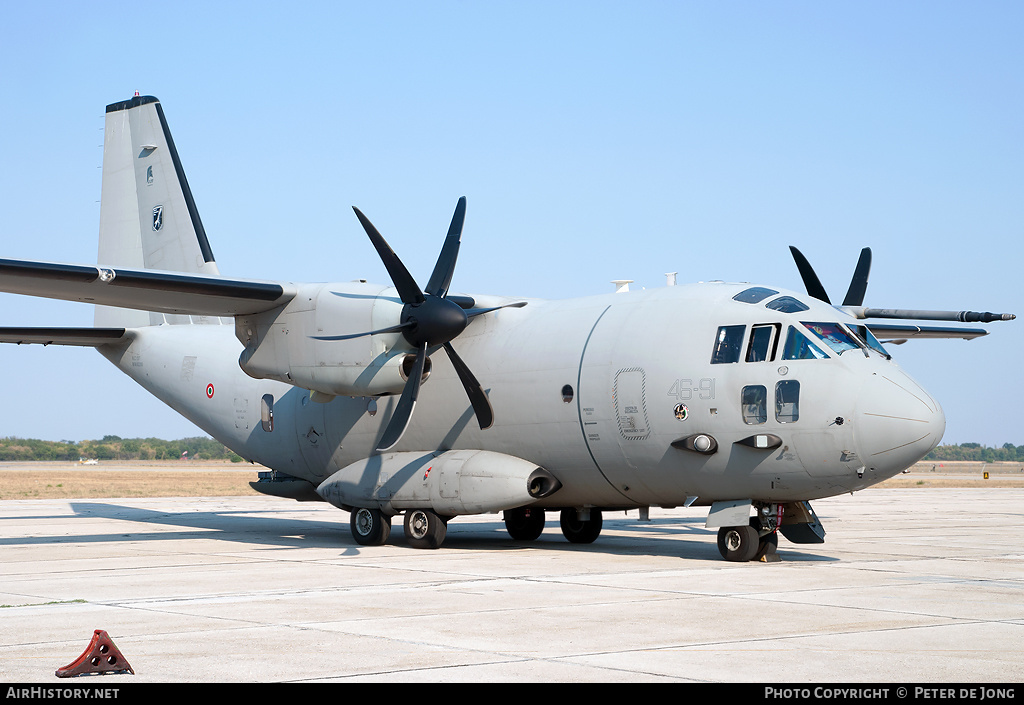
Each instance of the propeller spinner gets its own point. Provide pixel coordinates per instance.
(429, 319)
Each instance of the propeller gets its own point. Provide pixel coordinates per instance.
(853, 304)
(429, 319)
(858, 285)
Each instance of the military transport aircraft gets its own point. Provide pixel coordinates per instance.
(748, 399)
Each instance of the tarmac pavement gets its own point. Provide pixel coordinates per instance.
(911, 586)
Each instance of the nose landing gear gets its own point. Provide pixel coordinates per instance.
(757, 540)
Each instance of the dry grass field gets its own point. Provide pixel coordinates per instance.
(126, 479)
(222, 478)
(960, 474)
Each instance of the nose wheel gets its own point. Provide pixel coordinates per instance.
(744, 543)
(737, 543)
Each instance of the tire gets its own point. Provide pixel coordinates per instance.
(738, 543)
(578, 531)
(767, 544)
(424, 528)
(370, 527)
(524, 523)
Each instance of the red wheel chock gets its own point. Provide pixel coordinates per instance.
(101, 656)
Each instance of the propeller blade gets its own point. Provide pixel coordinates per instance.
(470, 312)
(859, 284)
(408, 290)
(403, 410)
(441, 278)
(811, 281)
(477, 397)
(390, 329)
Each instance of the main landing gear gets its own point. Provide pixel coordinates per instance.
(424, 528)
(527, 524)
(370, 527)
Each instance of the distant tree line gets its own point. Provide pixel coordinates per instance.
(115, 448)
(975, 452)
(202, 447)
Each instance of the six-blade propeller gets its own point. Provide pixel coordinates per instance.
(429, 319)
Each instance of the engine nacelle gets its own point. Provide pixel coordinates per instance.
(281, 344)
(451, 483)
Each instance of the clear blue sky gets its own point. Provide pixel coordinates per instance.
(594, 141)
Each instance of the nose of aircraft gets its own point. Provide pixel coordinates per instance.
(898, 422)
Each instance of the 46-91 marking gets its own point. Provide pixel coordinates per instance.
(683, 389)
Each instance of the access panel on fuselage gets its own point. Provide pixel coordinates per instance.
(618, 404)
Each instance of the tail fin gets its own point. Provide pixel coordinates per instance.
(148, 218)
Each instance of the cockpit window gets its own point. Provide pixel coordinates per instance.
(798, 347)
(833, 336)
(872, 342)
(787, 304)
(754, 295)
(728, 344)
(763, 342)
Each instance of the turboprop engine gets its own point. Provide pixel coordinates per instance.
(450, 483)
(291, 344)
(283, 344)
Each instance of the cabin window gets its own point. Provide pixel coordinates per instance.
(754, 402)
(754, 295)
(787, 401)
(798, 347)
(728, 344)
(833, 335)
(567, 393)
(267, 412)
(763, 341)
(787, 304)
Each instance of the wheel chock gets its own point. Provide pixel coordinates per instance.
(101, 656)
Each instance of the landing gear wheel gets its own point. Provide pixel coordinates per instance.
(524, 523)
(738, 543)
(370, 527)
(579, 531)
(767, 544)
(424, 528)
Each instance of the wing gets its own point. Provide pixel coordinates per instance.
(145, 290)
(84, 337)
(904, 332)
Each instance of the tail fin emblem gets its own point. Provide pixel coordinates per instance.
(158, 217)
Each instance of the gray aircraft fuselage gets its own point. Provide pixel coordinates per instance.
(594, 390)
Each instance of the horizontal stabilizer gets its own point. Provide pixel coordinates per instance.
(85, 337)
(144, 290)
(903, 332)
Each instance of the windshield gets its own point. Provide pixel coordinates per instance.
(871, 340)
(833, 336)
(798, 347)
